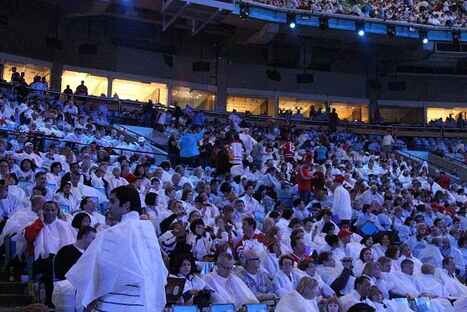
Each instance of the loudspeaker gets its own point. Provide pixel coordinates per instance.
(397, 86)
(201, 66)
(87, 48)
(305, 78)
(53, 43)
(273, 74)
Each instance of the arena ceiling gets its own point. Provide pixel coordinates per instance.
(230, 30)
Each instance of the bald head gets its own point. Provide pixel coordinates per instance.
(308, 287)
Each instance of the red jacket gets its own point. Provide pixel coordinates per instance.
(31, 233)
(303, 178)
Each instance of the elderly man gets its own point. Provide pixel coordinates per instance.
(46, 236)
(228, 288)
(255, 277)
(303, 299)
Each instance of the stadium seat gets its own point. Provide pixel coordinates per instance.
(257, 307)
(222, 308)
(184, 308)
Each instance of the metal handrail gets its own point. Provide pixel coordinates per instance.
(348, 17)
(39, 135)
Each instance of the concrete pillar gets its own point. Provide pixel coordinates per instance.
(221, 96)
(169, 93)
(56, 76)
(273, 106)
(109, 86)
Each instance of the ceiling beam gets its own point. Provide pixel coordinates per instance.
(196, 30)
(166, 23)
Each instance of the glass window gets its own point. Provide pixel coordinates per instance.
(97, 85)
(351, 112)
(435, 113)
(296, 105)
(408, 115)
(198, 99)
(140, 91)
(255, 106)
(29, 70)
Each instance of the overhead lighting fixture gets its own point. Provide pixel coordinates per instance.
(360, 28)
(244, 10)
(323, 22)
(423, 35)
(291, 21)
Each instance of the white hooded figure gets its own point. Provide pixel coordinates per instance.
(303, 299)
(341, 205)
(122, 270)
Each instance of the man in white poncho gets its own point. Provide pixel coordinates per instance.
(302, 299)
(228, 287)
(122, 270)
(341, 205)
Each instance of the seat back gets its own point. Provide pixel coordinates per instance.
(228, 307)
(184, 308)
(257, 307)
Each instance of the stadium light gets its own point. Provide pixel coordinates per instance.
(291, 21)
(423, 35)
(244, 10)
(360, 28)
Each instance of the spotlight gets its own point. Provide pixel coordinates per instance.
(360, 28)
(244, 10)
(323, 22)
(291, 21)
(423, 35)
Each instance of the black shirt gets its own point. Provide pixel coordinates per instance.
(66, 257)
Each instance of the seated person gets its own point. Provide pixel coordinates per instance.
(358, 294)
(303, 299)
(287, 278)
(228, 288)
(255, 277)
(195, 290)
(46, 236)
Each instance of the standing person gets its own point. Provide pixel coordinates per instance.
(341, 205)
(333, 120)
(122, 269)
(387, 143)
(189, 147)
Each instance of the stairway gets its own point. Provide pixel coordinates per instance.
(13, 295)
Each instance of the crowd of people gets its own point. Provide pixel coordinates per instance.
(299, 219)
(451, 13)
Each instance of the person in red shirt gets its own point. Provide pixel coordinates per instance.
(303, 178)
(288, 150)
(444, 181)
(251, 238)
